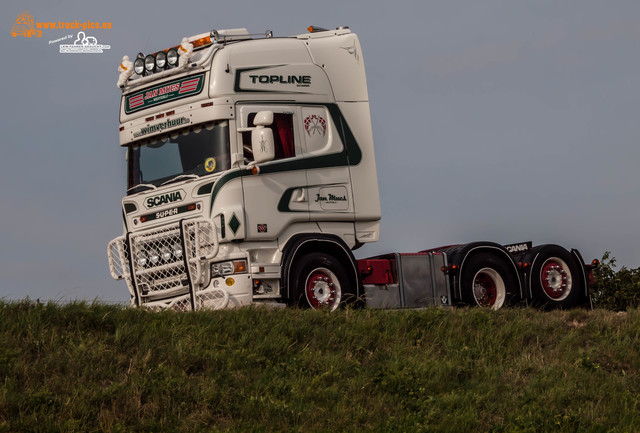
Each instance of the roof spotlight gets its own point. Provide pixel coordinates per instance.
(138, 66)
(149, 63)
(172, 57)
(161, 60)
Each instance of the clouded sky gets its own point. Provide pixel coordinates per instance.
(496, 120)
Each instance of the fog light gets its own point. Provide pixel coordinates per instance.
(230, 282)
(142, 259)
(154, 257)
(166, 254)
(177, 251)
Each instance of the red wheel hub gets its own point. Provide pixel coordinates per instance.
(321, 289)
(485, 290)
(554, 279)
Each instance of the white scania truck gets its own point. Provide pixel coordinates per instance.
(252, 178)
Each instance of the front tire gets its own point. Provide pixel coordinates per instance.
(320, 282)
(487, 282)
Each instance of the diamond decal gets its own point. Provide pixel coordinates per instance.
(234, 224)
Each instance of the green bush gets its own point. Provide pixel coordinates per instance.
(615, 289)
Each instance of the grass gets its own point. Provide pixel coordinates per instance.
(92, 367)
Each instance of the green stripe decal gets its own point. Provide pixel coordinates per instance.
(205, 189)
(224, 179)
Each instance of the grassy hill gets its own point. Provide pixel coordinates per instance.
(82, 367)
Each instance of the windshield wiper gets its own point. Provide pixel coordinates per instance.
(142, 185)
(180, 177)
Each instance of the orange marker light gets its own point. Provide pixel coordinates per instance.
(201, 42)
(313, 29)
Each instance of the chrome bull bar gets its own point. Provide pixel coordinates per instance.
(165, 267)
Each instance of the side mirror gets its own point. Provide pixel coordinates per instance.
(262, 143)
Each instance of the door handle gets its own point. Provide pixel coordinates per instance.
(299, 195)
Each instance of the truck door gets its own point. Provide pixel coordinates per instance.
(329, 190)
(276, 198)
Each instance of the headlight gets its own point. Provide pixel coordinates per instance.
(228, 268)
(215, 269)
(172, 57)
(154, 257)
(142, 259)
(138, 66)
(161, 59)
(149, 63)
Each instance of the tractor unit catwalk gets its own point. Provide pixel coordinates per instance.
(252, 178)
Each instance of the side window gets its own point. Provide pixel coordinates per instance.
(282, 128)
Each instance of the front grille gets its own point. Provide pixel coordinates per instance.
(158, 263)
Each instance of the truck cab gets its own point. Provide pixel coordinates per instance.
(251, 171)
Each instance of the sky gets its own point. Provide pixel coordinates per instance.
(498, 120)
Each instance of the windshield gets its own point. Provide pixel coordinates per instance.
(197, 151)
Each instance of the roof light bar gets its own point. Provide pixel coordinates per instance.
(171, 57)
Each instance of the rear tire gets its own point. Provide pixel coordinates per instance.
(319, 281)
(487, 282)
(555, 278)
